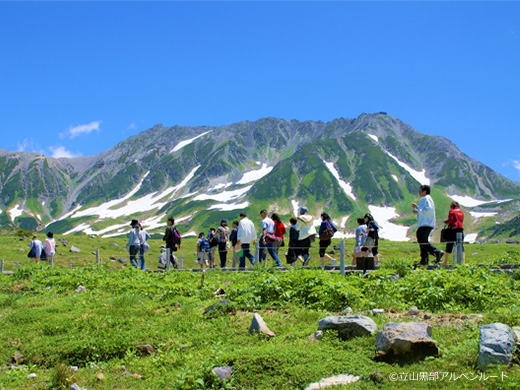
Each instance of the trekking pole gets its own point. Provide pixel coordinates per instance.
(459, 248)
(97, 257)
(342, 258)
(70, 264)
(182, 260)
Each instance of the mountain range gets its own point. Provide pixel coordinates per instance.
(200, 175)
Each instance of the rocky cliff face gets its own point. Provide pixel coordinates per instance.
(202, 174)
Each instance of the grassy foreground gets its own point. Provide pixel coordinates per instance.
(46, 327)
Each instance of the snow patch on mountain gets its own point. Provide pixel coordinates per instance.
(229, 206)
(478, 215)
(347, 188)
(182, 144)
(295, 207)
(255, 175)
(15, 212)
(344, 222)
(395, 178)
(225, 195)
(388, 230)
(374, 137)
(468, 201)
(471, 238)
(420, 176)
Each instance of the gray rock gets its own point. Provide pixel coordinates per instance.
(496, 345)
(216, 306)
(316, 336)
(413, 311)
(113, 244)
(348, 309)
(408, 341)
(349, 326)
(343, 379)
(378, 312)
(32, 375)
(74, 249)
(74, 386)
(112, 257)
(223, 372)
(393, 277)
(21, 250)
(63, 240)
(122, 260)
(258, 326)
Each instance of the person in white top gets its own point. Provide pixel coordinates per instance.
(425, 212)
(134, 242)
(246, 236)
(144, 247)
(49, 246)
(268, 228)
(306, 229)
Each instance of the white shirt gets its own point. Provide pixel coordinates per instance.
(246, 231)
(268, 225)
(426, 212)
(50, 246)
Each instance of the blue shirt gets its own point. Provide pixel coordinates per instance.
(203, 244)
(426, 212)
(360, 240)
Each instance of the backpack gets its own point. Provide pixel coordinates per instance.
(328, 233)
(176, 237)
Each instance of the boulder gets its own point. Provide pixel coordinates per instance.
(146, 349)
(80, 289)
(223, 372)
(343, 379)
(63, 240)
(217, 306)
(122, 260)
(74, 249)
(496, 345)
(349, 326)
(259, 326)
(405, 342)
(413, 311)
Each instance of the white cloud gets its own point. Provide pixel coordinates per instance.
(28, 145)
(132, 126)
(60, 152)
(516, 164)
(73, 132)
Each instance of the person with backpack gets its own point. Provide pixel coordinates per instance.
(326, 232)
(202, 250)
(214, 240)
(223, 242)
(172, 238)
(306, 232)
(134, 242)
(361, 236)
(372, 240)
(144, 236)
(35, 250)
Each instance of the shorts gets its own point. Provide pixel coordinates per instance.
(323, 247)
(202, 257)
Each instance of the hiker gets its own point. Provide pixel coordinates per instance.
(326, 232)
(49, 246)
(35, 250)
(233, 240)
(306, 232)
(454, 221)
(202, 250)
(292, 251)
(134, 242)
(425, 212)
(372, 239)
(172, 238)
(144, 247)
(223, 243)
(213, 246)
(267, 239)
(246, 235)
(279, 231)
(361, 236)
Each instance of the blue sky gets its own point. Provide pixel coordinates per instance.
(79, 77)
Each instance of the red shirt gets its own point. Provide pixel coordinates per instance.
(279, 229)
(455, 218)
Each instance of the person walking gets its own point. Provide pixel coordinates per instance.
(233, 240)
(172, 238)
(292, 250)
(326, 232)
(202, 250)
(266, 242)
(49, 246)
(134, 242)
(361, 236)
(35, 250)
(223, 240)
(246, 236)
(144, 247)
(425, 212)
(454, 221)
(371, 244)
(279, 231)
(306, 230)
(213, 246)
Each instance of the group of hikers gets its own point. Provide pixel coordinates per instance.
(242, 235)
